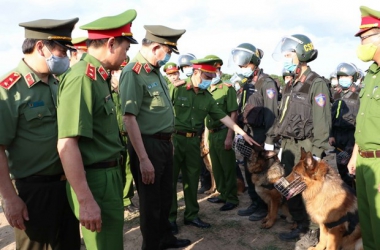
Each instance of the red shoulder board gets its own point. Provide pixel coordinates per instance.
(137, 68)
(91, 71)
(10, 80)
(29, 80)
(227, 84)
(103, 73)
(147, 68)
(188, 86)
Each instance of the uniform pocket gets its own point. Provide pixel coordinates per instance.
(40, 119)
(158, 100)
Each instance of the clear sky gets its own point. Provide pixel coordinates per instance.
(213, 26)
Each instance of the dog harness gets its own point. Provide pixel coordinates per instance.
(351, 218)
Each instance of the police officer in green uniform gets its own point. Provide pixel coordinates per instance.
(220, 141)
(38, 208)
(364, 161)
(304, 121)
(149, 120)
(343, 112)
(261, 90)
(172, 72)
(126, 172)
(80, 46)
(192, 103)
(89, 142)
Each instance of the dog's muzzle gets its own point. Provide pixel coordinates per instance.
(241, 146)
(289, 190)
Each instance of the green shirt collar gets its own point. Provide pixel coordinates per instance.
(30, 77)
(141, 59)
(374, 68)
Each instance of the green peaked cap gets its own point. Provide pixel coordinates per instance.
(112, 26)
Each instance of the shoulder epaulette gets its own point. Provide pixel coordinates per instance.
(137, 67)
(227, 84)
(10, 80)
(91, 71)
(103, 73)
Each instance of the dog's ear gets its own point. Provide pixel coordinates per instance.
(303, 153)
(309, 161)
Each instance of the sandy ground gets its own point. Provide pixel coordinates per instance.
(228, 231)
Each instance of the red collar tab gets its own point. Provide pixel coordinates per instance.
(103, 73)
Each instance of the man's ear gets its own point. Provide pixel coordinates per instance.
(38, 47)
(111, 44)
(155, 47)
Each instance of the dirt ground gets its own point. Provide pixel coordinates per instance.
(228, 230)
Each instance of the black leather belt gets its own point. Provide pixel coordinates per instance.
(186, 134)
(43, 178)
(103, 164)
(161, 136)
(370, 154)
(217, 129)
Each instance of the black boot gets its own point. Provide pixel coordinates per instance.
(310, 239)
(295, 234)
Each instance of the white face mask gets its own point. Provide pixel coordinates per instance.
(287, 80)
(188, 71)
(215, 80)
(334, 82)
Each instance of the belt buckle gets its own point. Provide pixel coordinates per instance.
(189, 134)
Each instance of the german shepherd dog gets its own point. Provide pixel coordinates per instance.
(266, 169)
(330, 202)
(207, 161)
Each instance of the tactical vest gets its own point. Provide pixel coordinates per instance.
(252, 102)
(344, 110)
(296, 118)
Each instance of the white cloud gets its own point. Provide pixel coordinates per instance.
(213, 26)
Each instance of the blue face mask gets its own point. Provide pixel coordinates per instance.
(288, 64)
(204, 84)
(164, 61)
(345, 82)
(246, 72)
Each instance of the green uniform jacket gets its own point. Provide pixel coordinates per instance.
(368, 119)
(192, 108)
(86, 109)
(319, 99)
(145, 94)
(225, 98)
(29, 123)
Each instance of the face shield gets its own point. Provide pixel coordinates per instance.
(285, 46)
(240, 57)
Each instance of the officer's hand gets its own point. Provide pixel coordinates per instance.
(378, 188)
(228, 143)
(332, 141)
(351, 166)
(16, 212)
(250, 141)
(147, 171)
(90, 215)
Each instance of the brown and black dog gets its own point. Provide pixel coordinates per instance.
(266, 169)
(329, 202)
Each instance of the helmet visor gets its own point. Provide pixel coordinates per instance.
(286, 45)
(241, 56)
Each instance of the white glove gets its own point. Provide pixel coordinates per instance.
(279, 154)
(316, 158)
(268, 147)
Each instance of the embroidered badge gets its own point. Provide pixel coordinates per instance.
(10, 80)
(147, 68)
(103, 73)
(90, 71)
(152, 85)
(137, 68)
(320, 100)
(271, 93)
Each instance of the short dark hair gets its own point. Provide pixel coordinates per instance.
(146, 42)
(96, 43)
(29, 43)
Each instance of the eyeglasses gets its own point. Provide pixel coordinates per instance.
(365, 37)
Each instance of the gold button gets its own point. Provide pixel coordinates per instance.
(39, 115)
